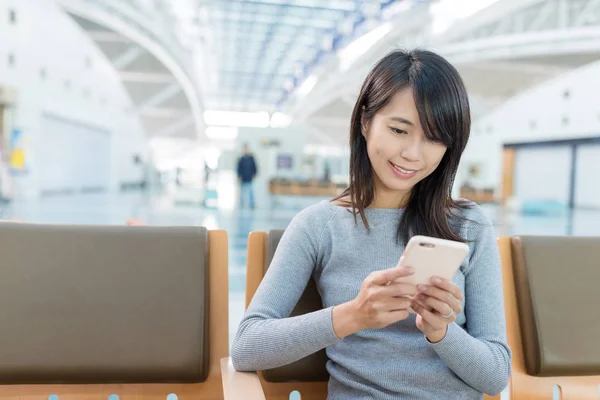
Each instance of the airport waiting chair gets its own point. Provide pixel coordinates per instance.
(552, 304)
(96, 312)
(308, 376)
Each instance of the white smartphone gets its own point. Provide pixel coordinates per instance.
(432, 257)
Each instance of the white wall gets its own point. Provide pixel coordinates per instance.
(587, 183)
(551, 179)
(540, 114)
(80, 158)
(79, 85)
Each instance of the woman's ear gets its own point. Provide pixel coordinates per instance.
(364, 127)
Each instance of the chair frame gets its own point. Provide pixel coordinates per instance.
(522, 385)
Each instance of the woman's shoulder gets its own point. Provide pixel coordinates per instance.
(316, 215)
(321, 211)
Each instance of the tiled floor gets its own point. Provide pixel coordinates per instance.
(159, 210)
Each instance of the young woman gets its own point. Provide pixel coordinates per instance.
(409, 128)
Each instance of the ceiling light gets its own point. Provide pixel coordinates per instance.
(360, 46)
(447, 12)
(236, 118)
(307, 85)
(280, 120)
(221, 133)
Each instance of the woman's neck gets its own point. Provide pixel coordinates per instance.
(390, 199)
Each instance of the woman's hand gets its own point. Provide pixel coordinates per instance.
(437, 306)
(380, 302)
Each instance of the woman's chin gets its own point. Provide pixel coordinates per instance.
(400, 187)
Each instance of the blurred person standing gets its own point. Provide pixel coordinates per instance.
(246, 171)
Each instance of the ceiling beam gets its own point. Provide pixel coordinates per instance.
(589, 12)
(543, 16)
(127, 57)
(349, 5)
(159, 98)
(563, 14)
(107, 37)
(331, 122)
(184, 122)
(519, 67)
(164, 112)
(149, 77)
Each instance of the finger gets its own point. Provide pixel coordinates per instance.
(417, 301)
(388, 275)
(394, 316)
(385, 305)
(442, 295)
(384, 300)
(398, 304)
(430, 318)
(437, 306)
(396, 289)
(448, 286)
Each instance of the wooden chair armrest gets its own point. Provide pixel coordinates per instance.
(240, 385)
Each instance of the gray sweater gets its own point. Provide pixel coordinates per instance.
(324, 243)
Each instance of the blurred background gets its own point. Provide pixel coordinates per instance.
(112, 110)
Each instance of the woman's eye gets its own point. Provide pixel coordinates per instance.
(398, 131)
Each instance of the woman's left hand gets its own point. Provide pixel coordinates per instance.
(437, 306)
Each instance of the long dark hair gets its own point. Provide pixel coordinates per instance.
(443, 106)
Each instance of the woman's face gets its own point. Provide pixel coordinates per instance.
(400, 154)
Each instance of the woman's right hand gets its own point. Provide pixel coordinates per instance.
(381, 302)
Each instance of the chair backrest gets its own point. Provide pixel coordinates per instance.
(549, 292)
(309, 376)
(311, 368)
(94, 307)
(557, 283)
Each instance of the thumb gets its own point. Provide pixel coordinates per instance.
(420, 323)
(392, 274)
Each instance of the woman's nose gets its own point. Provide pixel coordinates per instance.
(411, 150)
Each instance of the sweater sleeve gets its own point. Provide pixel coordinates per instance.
(480, 355)
(267, 336)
